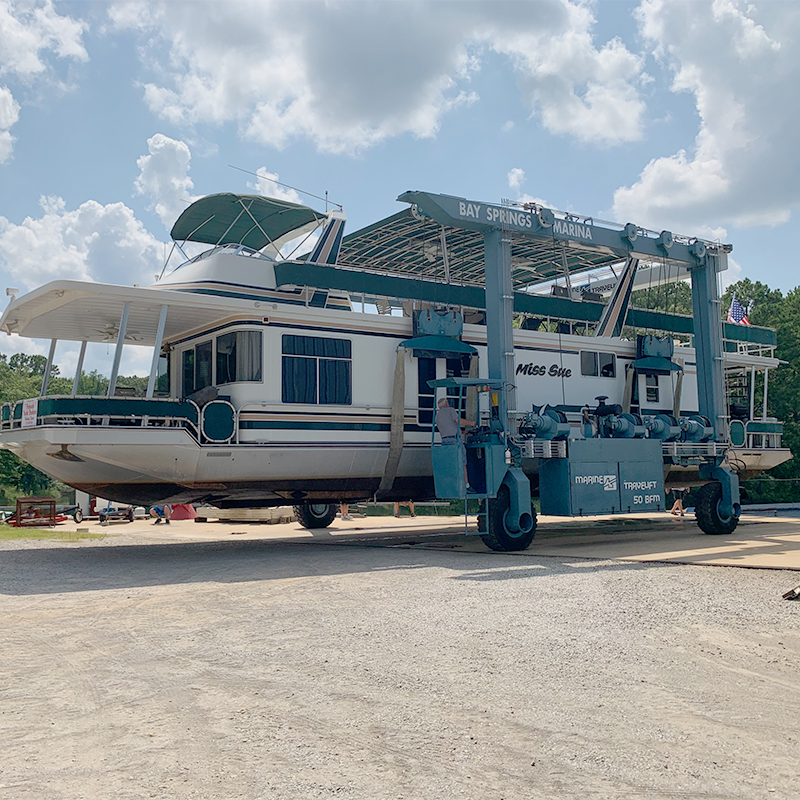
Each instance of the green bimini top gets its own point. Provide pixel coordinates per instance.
(245, 219)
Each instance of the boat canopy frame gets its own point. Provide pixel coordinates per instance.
(245, 219)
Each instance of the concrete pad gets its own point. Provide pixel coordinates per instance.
(758, 542)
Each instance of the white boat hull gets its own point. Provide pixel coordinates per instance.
(146, 466)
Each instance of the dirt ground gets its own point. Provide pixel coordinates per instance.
(201, 665)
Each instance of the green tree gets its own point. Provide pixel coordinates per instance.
(764, 304)
(22, 477)
(784, 385)
(674, 298)
(30, 365)
(92, 383)
(21, 377)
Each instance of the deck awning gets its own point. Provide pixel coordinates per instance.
(437, 346)
(245, 219)
(656, 365)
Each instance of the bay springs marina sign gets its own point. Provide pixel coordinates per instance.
(524, 220)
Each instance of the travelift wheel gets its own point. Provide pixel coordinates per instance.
(315, 515)
(498, 537)
(707, 511)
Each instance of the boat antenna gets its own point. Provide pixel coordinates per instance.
(302, 191)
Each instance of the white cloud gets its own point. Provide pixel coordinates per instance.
(576, 89)
(529, 199)
(9, 114)
(29, 30)
(94, 242)
(739, 64)
(267, 184)
(731, 275)
(516, 177)
(164, 177)
(348, 75)
(10, 345)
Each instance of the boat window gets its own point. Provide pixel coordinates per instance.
(426, 371)
(196, 370)
(603, 365)
(651, 384)
(188, 372)
(162, 375)
(316, 370)
(239, 357)
(608, 366)
(202, 365)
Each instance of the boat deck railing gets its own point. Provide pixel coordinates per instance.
(94, 411)
(220, 422)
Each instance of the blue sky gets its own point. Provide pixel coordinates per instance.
(114, 115)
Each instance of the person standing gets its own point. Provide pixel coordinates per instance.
(677, 507)
(449, 425)
(448, 422)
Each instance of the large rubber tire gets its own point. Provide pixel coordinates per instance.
(498, 537)
(78, 516)
(315, 515)
(706, 511)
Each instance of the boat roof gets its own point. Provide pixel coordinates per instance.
(408, 244)
(91, 312)
(247, 219)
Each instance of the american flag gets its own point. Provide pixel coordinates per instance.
(736, 313)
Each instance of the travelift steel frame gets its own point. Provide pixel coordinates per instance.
(703, 260)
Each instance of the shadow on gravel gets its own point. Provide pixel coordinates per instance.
(58, 569)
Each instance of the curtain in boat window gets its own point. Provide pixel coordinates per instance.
(239, 357)
(316, 346)
(316, 370)
(299, 383)
(334, 382)
(248, 355)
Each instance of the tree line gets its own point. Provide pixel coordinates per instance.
(769, 308)
(21, 376)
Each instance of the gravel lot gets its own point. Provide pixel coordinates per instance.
(264, 669)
